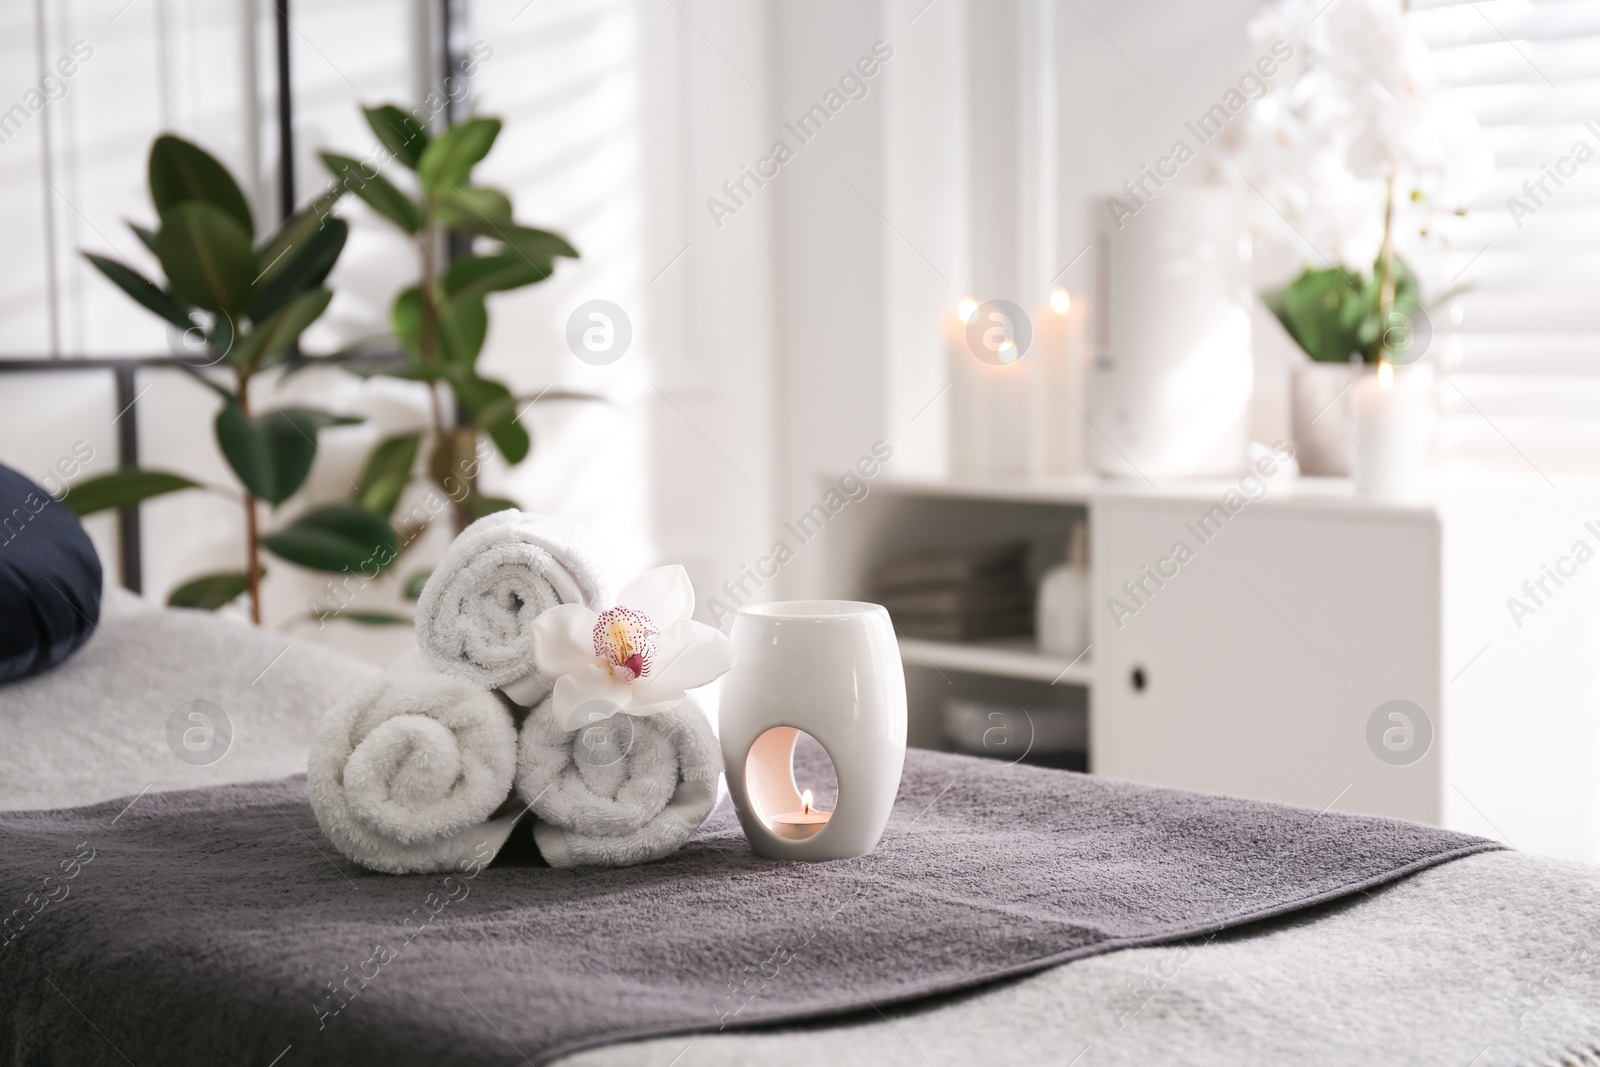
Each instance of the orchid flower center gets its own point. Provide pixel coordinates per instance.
(626, 640)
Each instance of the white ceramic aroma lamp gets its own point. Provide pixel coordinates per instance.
(830, 668)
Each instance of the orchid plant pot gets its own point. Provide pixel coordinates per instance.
(1322, 416)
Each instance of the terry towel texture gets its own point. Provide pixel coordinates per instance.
(407, 770)
(97, 726)
(985, 871)
(475, 613)
(625, 790)
(1487, 961)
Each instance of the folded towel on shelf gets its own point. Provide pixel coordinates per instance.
(959, 594)
(962, 614)
(474, 615)
(412, 771)
(964, 600)
(624, 790)
(962, 629)
(943, 567)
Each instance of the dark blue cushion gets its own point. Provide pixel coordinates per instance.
(49, 579)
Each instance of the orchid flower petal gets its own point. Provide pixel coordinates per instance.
(659, 699)
(664, 593)
(589, 695)
(690, 654)
(563, 639)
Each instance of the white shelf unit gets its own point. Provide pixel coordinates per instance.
(901, 516)
(1257, 669)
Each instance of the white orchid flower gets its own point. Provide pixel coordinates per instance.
(637, 657)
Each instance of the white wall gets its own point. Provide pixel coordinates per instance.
(711, 287)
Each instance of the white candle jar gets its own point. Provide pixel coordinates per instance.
(1394, 425)
(831, 668)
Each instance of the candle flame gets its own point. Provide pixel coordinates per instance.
(805, 802)
(1385, 374)
(1060, 301)
(967, 310)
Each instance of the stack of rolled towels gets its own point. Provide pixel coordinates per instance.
(453, 746)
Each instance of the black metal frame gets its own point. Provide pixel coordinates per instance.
(124, 368)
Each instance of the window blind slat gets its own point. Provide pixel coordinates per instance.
(1498, 311)
(1542, 358)
(1454, 23)
(1520, 348)
(1517, 62)
(1533, 101)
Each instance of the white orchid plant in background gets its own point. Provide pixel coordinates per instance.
(1360, 143)
(639, 656)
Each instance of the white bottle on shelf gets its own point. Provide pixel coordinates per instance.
(1062, 606)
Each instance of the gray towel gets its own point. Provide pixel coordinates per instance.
(1489, 961)
(212, 926)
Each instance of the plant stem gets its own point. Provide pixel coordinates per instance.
(429, 326)
(466, 440)
(252, 541)
(252, 531)
(1386, 270)
(446, 436)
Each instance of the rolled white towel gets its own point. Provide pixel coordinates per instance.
(474, 615)
(625, 790)
(408, 769)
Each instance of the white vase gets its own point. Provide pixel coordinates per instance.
(1172, 379)
(1322, 416)
(831, 668)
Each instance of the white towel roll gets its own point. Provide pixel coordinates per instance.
(476, 611)
(625, 790)
(407, 770)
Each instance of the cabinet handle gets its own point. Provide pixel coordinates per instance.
(1138, 679)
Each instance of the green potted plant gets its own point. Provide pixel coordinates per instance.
(441, 322)
(247, 300)
(1343, 321)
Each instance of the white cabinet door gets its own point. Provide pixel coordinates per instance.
(1257, 665)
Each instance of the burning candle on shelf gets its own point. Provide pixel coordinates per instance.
(990, 377)
(1393, 427)
(1060, 373)
(799, 825)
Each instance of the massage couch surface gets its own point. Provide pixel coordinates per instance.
(1488, 956)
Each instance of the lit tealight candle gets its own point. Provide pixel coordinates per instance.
(799, 825)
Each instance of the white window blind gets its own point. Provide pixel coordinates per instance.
(1520, 348)
(85, 87)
